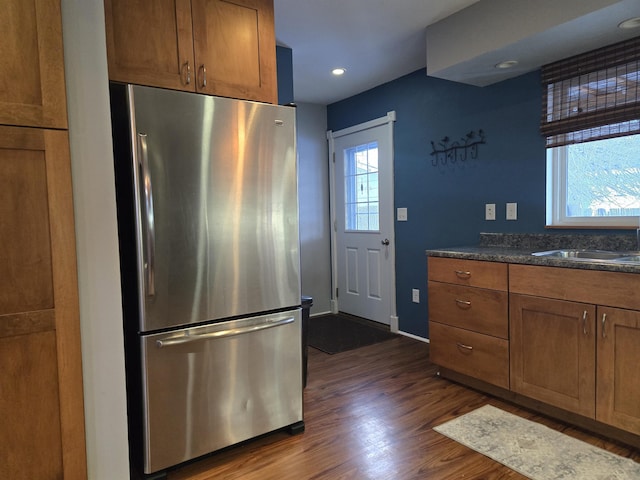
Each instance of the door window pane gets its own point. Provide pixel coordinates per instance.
(361, 187)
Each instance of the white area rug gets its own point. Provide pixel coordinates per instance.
(535, 450)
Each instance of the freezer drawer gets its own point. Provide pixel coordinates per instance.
(212, 386)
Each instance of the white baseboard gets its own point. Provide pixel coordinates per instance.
(415, 337)
(334, 306)
(393, 324)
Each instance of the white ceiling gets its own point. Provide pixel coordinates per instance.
(380, 40)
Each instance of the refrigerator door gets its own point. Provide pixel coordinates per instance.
(217, 211)
(209, 387)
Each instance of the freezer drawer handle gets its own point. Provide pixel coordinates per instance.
(182, 339)
(148, 207)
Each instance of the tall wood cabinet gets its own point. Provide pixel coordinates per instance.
(218, 47)
(42, 431)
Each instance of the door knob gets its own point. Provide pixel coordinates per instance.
(385, 242)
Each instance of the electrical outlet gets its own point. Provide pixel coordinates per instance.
(490, 211)
(402, 214)
(512, 211)
(415, 295)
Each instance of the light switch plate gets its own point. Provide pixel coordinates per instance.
(490, 211)
(415, 295)
(512, 211)
(402, 214)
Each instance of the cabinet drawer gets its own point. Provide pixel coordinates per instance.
(480, 356)
(478, 309)
(473, 273)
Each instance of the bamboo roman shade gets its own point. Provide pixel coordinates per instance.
(592, 96)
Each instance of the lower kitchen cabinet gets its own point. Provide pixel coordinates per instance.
(553, 352)
(618, 373)
(468, 318)
(570, 340)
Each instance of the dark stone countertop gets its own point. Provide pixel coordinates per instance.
(517, 248)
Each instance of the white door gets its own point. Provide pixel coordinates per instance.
(364, 253)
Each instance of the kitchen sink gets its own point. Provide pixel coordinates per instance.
(592, 255)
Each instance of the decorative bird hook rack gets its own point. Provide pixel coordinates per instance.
(450, 152)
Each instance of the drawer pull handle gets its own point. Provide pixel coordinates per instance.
(584, 323)
(463, 303)
(462, 345)
(604, 322)
(463, 273)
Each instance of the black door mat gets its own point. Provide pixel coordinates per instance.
(335, 333)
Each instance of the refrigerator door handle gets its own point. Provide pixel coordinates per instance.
(148, 214)
(182, 339)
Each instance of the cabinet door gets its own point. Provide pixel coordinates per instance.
(150, 42)
(235, 53)
(552, 352)
(41, 382)
(32, 89)
(618, 375)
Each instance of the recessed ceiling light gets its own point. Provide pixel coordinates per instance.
(338, 71)
(507, 64)
(630, 23)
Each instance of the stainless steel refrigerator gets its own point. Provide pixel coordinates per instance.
(208, 228)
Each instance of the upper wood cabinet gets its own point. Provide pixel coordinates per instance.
(218, 47)
(150, 42)
(32, 89)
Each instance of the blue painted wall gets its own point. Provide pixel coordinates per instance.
(446, 203)
(284, 66)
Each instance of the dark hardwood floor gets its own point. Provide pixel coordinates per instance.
(369, 414)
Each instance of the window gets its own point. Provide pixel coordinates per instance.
(361, 188)
(591, 118)
(595, 184)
